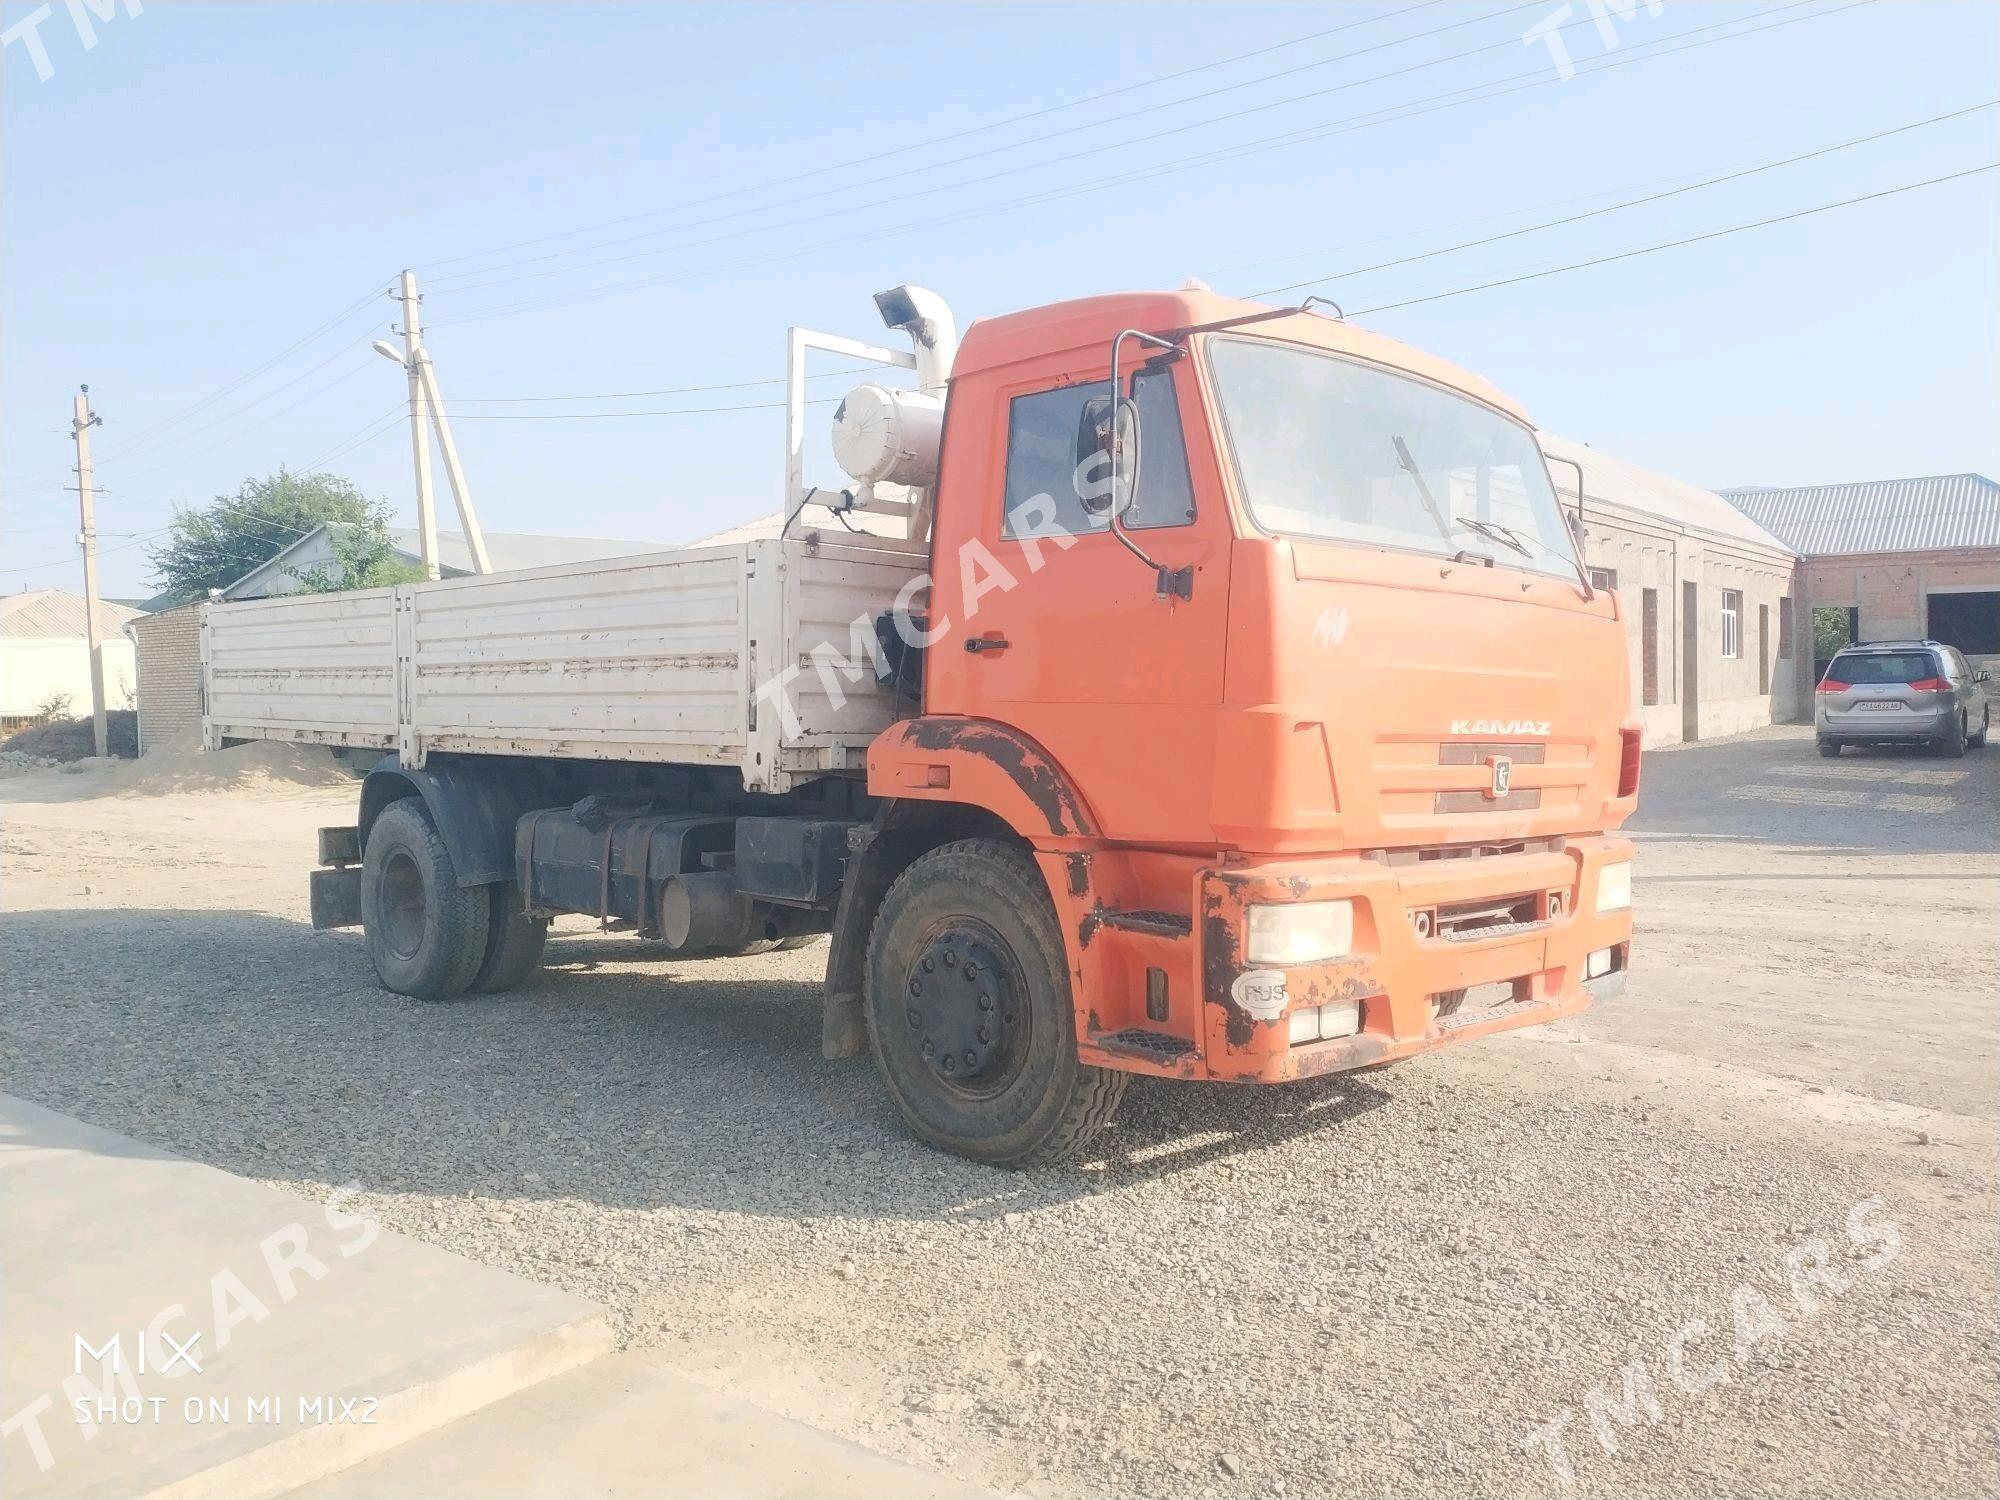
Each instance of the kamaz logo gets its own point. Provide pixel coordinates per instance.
(1500, 726)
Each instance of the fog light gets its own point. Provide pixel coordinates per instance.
(1299, 932)
(1614, 887)
(1598, 964)
(1325, 1023)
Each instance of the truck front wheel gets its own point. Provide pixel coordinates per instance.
(969, 1011)
(426, 933)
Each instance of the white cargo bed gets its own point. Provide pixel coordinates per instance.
(653, 658)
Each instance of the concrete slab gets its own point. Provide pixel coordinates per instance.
(627, 1427)
(320, 1339)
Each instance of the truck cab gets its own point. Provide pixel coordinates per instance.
(1314, 725)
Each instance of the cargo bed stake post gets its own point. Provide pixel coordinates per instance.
(425, 400)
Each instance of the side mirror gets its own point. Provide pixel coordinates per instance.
(1107, 455)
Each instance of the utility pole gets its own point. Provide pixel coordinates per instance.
(81, 423)
(424, 398)
(413, 348)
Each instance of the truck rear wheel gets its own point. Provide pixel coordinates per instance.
(969, 1011)
(426, 933)
(514, 942)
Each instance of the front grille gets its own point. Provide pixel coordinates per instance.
(1519, 800)
(1476, 753)
(1476, 921)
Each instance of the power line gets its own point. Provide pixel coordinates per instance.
(605, 416)
(1693, 239)
(675, 390)
(1630, 202)
(338, 318)
(127, 454)
(1388, 114)
(870, 159)
(909, 191)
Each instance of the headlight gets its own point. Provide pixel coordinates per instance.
(1300, 932)
(1614, 887)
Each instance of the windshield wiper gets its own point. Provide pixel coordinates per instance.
(1506, 536)
(1430, 501)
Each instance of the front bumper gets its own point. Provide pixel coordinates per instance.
(1418, 988)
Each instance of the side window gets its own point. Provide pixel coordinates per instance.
(1041, 460)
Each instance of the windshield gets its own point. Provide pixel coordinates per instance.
(1331, 447)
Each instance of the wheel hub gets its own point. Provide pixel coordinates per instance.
(962, 1006)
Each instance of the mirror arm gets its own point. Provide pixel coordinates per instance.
(1168, 583)
(1576, 534)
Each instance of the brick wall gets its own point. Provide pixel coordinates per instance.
(1892, 590)
(170, 695)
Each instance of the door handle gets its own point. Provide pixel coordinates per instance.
(991, 641)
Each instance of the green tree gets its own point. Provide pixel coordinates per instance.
(212, 546)
(364, 557)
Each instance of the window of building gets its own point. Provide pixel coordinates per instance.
(1969, 621)
(1604, 578)
(1785, 628)
(1732, 622)
(1649, 645)
(1041, 460)
(1763, 648)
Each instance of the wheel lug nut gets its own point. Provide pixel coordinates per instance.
(985, 1036)
(950, 1064)
(950, 959)
(985, 1002)
(928, 1048)
(971, 1058)
(916, 1018)
(928, 965)
(916, 986)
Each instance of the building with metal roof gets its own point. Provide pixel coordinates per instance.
(285, 572)
(45, 655)
(1705, 594)
(1939, 512)
(1892, 559)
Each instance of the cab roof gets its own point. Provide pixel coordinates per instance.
(1090, 323)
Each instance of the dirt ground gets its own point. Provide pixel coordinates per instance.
(1732, 1234)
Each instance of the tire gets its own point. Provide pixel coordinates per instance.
(1985, 728)
(426, 933)
(513, 943)
(1009, 1090)
(1952, 746)
(1829, 748)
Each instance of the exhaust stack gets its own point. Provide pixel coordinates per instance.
(923, 315)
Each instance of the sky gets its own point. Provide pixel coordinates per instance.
(204, 206)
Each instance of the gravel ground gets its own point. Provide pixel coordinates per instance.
(1377, 1285)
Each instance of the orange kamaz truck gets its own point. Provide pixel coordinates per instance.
(1173, 685)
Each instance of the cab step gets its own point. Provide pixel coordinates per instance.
(1137, 1041)
(1164, 924)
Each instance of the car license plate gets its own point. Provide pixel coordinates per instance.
(1879, 705)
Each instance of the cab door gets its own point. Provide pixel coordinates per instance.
(1064, 636)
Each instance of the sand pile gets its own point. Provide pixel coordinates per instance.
(181, 765)
(71, 739)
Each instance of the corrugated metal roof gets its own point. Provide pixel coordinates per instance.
(52, 614)
(1616, 482)
(1884, 515)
